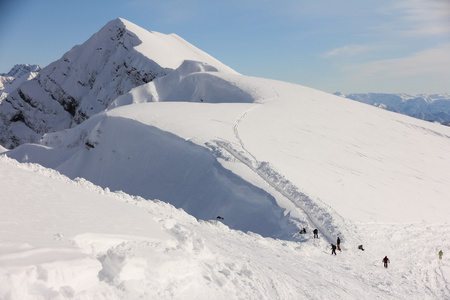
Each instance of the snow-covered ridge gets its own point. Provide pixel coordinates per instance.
(428, 107)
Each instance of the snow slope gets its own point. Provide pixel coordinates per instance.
(63, 239)
(297, 147)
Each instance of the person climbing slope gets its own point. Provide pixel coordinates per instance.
(440, 254)
(386, 261)
(316, 233)
(333, 249)
(338, 242)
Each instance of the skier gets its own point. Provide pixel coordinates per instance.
(338, 242)
(386, 261)
(303, 231)
(316, 233)
(360, 247)
(440, 254)
(333, 249)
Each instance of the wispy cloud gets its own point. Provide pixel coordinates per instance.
(432, 63)
(423, 17)
(348, 50)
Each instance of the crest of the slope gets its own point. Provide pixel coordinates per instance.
(168, 50)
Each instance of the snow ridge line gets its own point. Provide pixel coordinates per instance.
(317, 217)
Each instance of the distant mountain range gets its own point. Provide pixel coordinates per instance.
(433, 108)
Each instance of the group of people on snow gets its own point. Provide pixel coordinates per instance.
(385, 260)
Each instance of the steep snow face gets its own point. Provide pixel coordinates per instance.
(127, 155)
(18, 74)
(434, 108)
(89, 77)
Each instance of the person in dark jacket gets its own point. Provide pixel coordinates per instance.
(360, 247)
(338, 242)
(333, 249)
(386, 261)
(316, 233)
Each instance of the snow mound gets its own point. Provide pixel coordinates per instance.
(196, 81)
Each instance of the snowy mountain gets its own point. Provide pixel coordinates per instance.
(433, 108)
(89, 77)
(195, 184)
(18, 74)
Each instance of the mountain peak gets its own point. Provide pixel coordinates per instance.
(89, 77)
(19, 70)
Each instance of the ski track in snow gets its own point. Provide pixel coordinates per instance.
(316, 216)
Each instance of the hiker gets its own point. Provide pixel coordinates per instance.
(316, 233)
(338, 242)
(386, 261)
(440, 254)
(360, 247)
(333, 249)
(303, 231)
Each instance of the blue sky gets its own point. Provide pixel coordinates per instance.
(389, 46)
